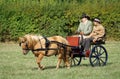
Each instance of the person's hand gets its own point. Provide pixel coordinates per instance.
(92, 34)
(94, 40)
(76, 32)
(81, 33)
(87, 36)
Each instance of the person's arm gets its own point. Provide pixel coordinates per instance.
(101, 32)
(92, 34)
(79, 28)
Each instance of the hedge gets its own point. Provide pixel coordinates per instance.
(55, 17)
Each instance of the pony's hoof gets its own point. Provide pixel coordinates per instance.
(57, 68)
(68, 67)
(42, 67)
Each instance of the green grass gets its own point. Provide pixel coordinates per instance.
(15, 65)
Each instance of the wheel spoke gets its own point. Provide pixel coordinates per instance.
(99, 63)
(71, 62)
(102, 60)
(97, 51)
(94, 53)
(102, 53)
(74, 62)
(102, 57)
(76, 59)
(94, 60)
(100, 50)
(93, 56)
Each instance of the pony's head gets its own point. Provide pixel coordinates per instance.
(23, 42)
(28, 42)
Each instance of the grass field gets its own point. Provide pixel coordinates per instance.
(14, 65)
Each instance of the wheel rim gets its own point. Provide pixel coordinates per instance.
(75, 61)
(98, 56)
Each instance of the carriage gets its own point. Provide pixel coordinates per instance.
(97, 57)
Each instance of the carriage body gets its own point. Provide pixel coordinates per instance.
(73, 41)
(97, 57)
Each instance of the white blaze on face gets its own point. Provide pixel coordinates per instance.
(25, 52)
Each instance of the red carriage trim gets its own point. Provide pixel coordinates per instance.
(73, 41)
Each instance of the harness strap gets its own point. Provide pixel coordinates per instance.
(47, 43)
(44, 49)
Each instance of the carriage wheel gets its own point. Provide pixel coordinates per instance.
(75, 60)
(98, 56)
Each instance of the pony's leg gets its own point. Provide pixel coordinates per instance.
(66, 61)
(39, 58)
(59, 60)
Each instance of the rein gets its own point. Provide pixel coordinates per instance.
(58, 43)
(44, 49)
(47, 44)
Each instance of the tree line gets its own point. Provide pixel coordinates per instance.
(55, 17)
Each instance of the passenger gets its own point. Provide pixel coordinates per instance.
(85, 26)
(97, 33)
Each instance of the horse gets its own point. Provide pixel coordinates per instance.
(46, 46)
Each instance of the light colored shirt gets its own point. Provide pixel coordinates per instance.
(98, 31)
(86, 28)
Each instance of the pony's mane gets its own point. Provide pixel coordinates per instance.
(33, 38)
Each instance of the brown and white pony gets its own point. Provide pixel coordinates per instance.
(37, 44)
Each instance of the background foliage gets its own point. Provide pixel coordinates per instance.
(55, 17)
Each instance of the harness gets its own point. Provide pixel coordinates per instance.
(47, 44)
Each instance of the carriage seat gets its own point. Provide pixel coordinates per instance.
(99, 41)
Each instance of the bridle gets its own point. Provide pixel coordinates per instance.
(26, 45)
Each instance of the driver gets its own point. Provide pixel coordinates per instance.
(85, 26)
